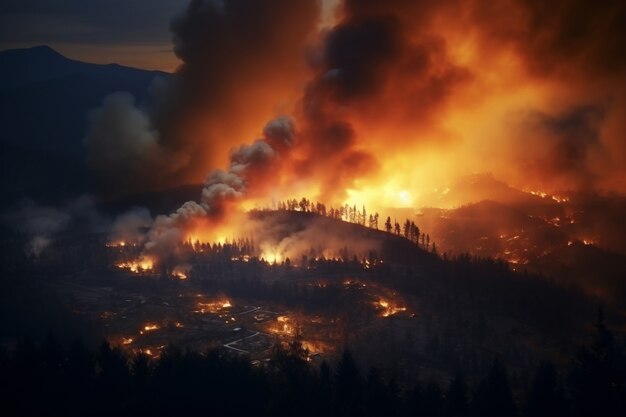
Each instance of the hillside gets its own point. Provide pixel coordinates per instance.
(559, 241)
(392, 248)
(44, 97)
(44, 102)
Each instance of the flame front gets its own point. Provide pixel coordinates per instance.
(388, 308)
(137, 266)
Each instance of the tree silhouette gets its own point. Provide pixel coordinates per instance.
(546, 397)
(494, 396)
(432, 404)
(598, 379)
(457, 398)
(388, 225)
(349, 387)
(406, 229)
(377, 400)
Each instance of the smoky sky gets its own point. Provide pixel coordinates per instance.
(240, 60)
(393, 66)
(531, 91)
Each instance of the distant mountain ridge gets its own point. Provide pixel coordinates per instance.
(20, 67)
(45, 98)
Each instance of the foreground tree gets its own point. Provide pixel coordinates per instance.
(493, 396)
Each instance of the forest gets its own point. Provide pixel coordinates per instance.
(46, 379)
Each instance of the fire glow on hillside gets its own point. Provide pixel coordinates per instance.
(332, 207)
(379, 126)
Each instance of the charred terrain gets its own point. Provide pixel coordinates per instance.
(406, 314)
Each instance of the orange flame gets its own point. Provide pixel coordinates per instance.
(137, 266)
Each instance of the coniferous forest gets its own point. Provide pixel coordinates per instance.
(46, 379)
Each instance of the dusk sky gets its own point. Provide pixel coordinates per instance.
(134, 32)
(129, 32)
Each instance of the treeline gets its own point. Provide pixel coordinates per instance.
(48, 380)
(409, 230)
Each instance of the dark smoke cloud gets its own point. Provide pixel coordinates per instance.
(359, 56)
(388, 66)
(376, 67)
(242, 61)
(280, 133)
(250, 167)
(577, 45)
(574, 37)
(247, 176)
(382, 81)
(568, 143)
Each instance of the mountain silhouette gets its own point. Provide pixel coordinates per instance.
(44, 102)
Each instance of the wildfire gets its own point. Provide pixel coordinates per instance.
(404, 198)
(203, 230)
(137, 266)
(127, 340)
(557, 198)
(387, 308)
(392, 193)
(180, 272)
(213, 307)
(315, 348)
(556, 221)
(560, 199)
(180, 275)
(284, 326)
(272, 256)
(242, 258)
(115, 244)
(355, 284)
(149, 328)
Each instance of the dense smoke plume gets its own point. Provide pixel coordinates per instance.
(391, 99)
(532, 93)
(249, 174)
(242, 64)
(397, 92)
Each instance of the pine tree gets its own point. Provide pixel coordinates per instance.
(388, 225)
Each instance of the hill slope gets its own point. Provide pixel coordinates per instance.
(45, 97)
(44, 101)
